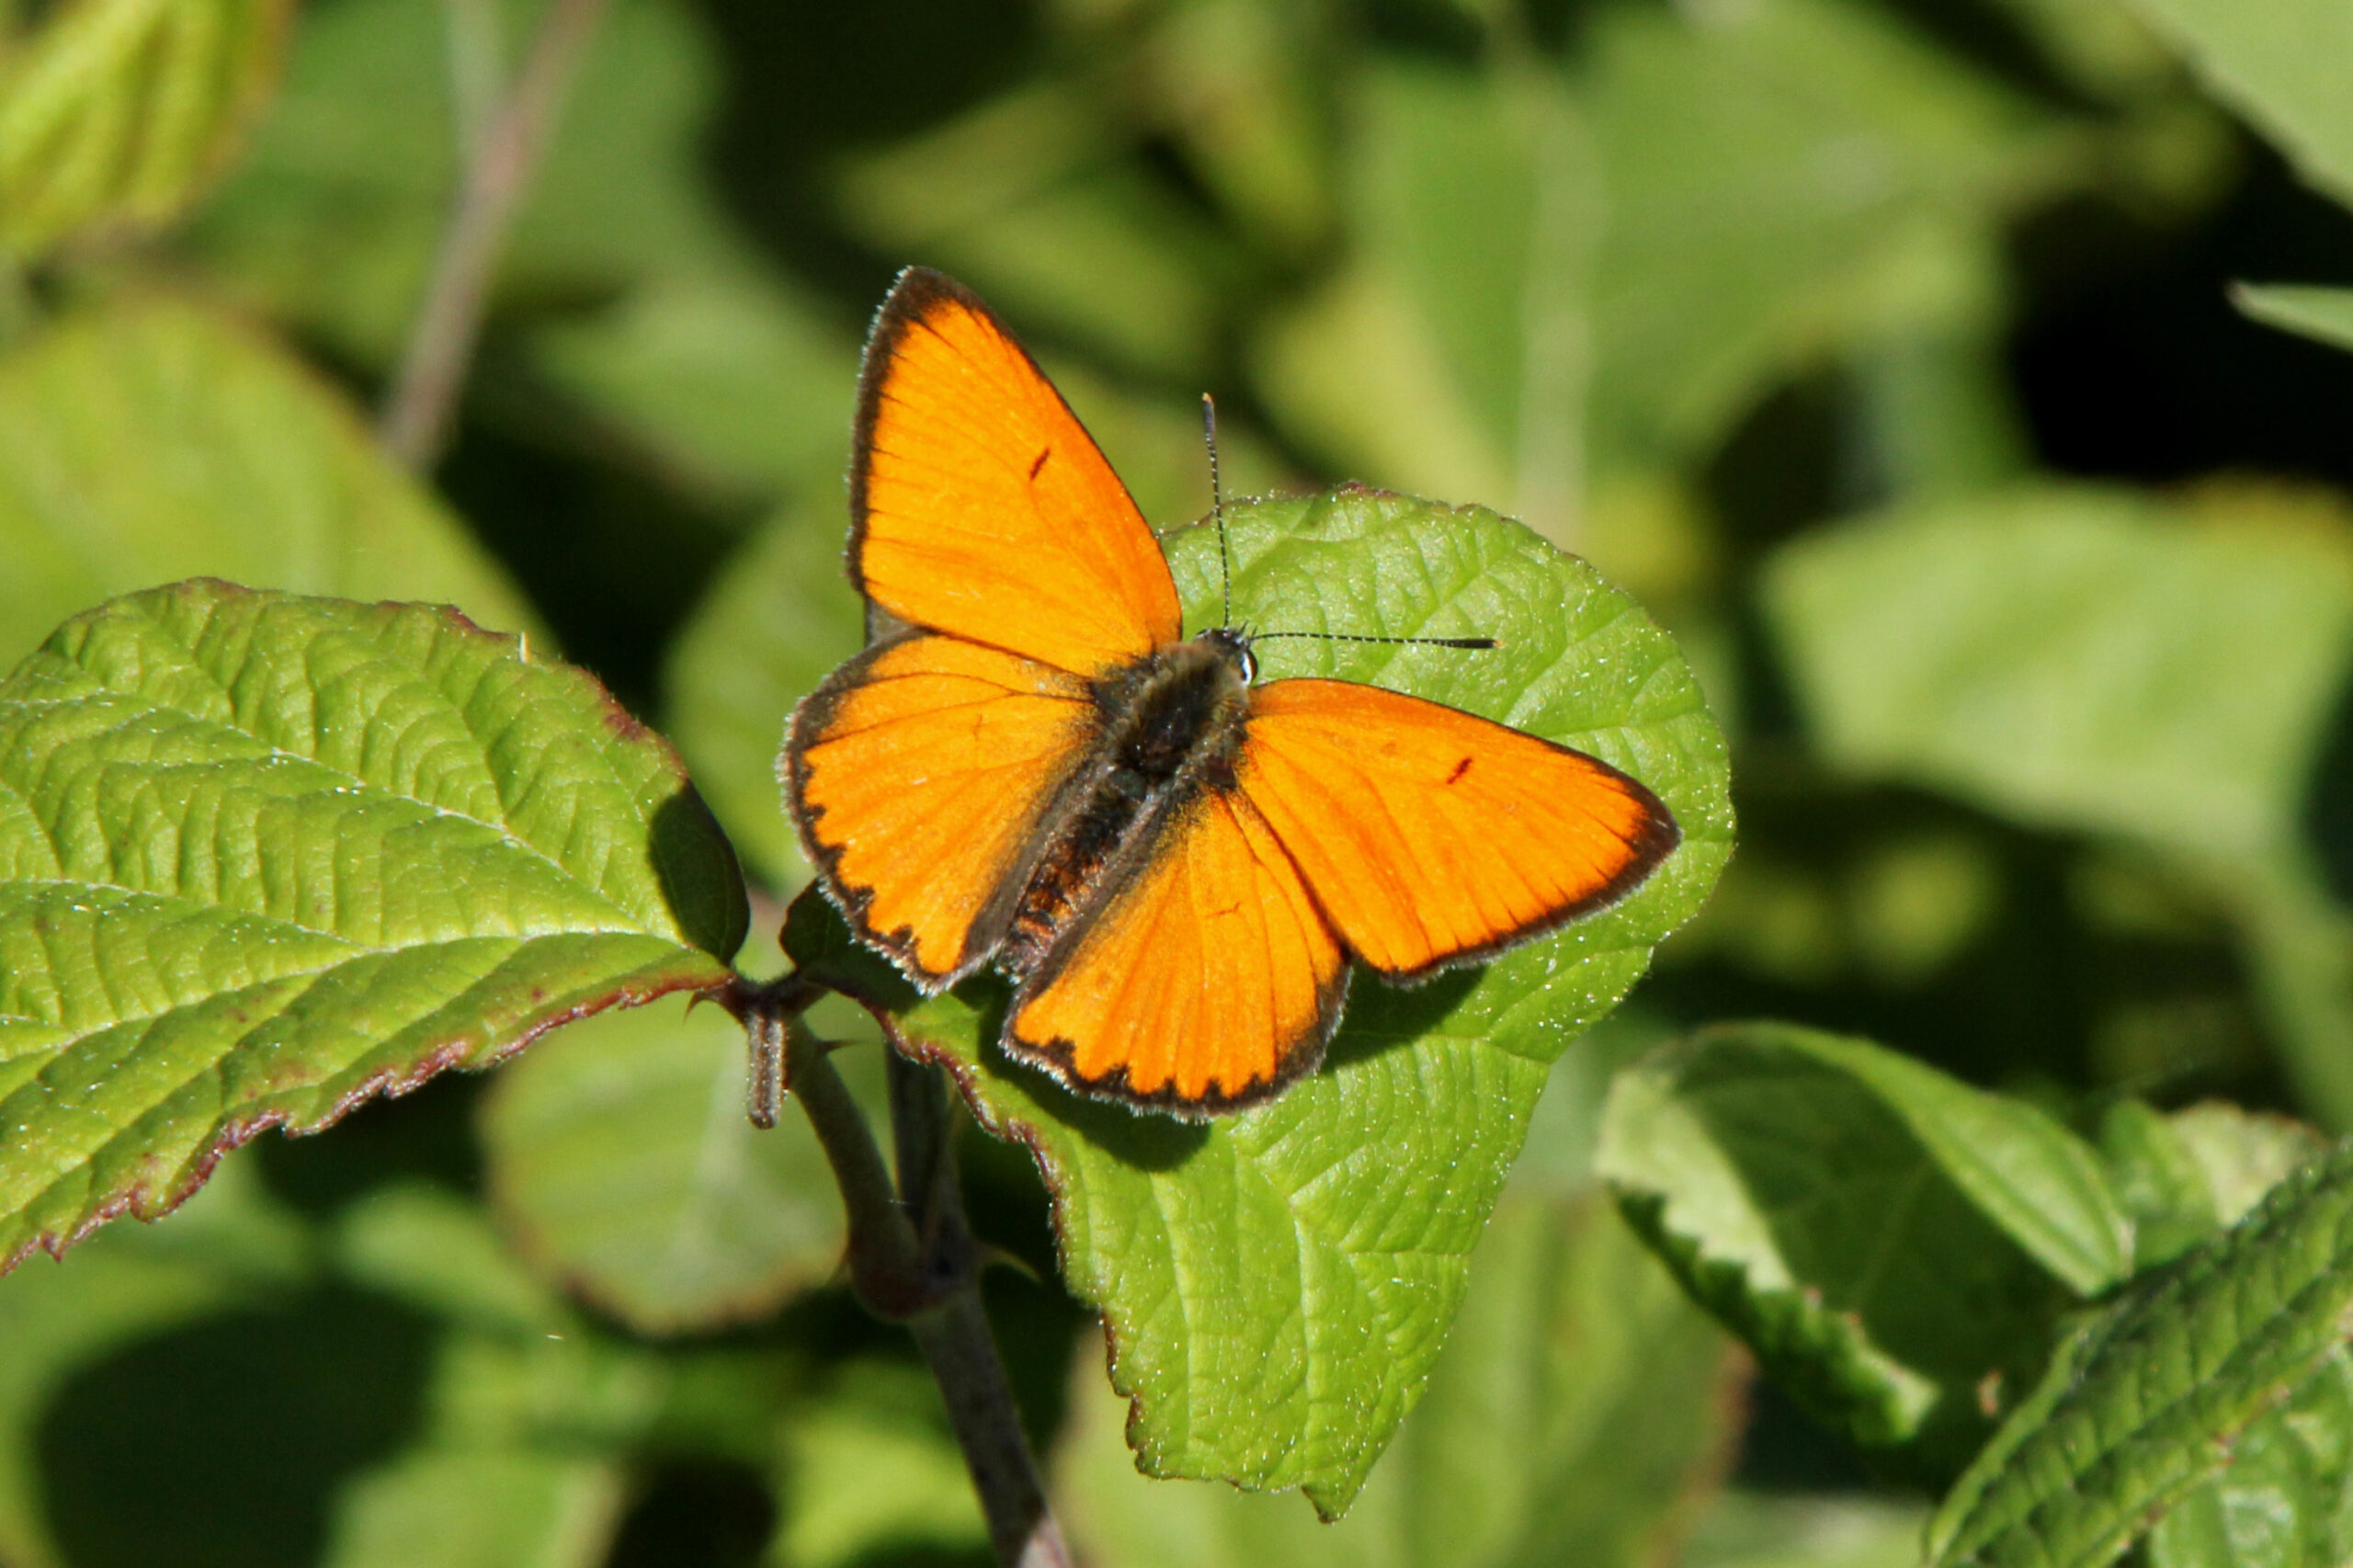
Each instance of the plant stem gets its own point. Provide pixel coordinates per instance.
(417, 414)
(912, 1260)
(954, 1335)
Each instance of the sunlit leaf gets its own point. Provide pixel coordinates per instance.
(2146, 1400)
(1276, 1282)
(1580, 1406)
(263, 856)
(1893, 1245)
(115, 113)
(2079, 657)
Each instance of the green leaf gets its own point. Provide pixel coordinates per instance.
(488, 1508)
(2080, 658)
(2146, 1400)
(1885, 1238)
(1277, 1282)
(151, 439)
(2321, 313)
(1581, 1404)
(115, 113)
(2285, 1499)
(2096, 659)
(2281, 64)
(265, 856)
(1830, 179)
(620, 1158)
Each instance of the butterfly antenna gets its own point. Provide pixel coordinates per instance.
(1217, 510)
(1355, 637)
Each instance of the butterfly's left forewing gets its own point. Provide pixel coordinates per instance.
(1206, 979)
(1430, 836)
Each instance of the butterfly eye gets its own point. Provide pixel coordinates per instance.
(1249, 661)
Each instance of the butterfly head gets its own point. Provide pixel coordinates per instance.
(1231, 645)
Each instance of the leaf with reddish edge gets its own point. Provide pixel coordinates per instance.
(1275, 1284)
(264, 856)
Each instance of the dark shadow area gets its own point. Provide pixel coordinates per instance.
(2132, 362)
(700, 1515)
(806, 85)
(424, 1136)
(2328, 797)
(702, 884)
(611, 557)
(224, 1444)
(1786, 1449)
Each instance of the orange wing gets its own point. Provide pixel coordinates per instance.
(1431, 836)
(1207, 979)
(920, 772)
(979, 504)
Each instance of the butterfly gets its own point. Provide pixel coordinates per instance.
(1030, 768)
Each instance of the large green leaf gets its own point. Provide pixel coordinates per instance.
(149, 439)
(2280, 64)
(2081, 658)
(2147, 1400)
(621, 1158)
(265, 856)
(1578, 1408)
(1276, 1283)
(1892, 1243)
(117, 112)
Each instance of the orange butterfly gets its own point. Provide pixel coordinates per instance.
(1029, 767)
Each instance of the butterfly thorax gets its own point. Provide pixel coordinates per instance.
(1170, 727)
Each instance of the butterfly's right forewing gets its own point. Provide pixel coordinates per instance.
(924, 772)
(979, 505)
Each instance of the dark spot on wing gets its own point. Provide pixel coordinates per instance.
(1039, 460)
(1459, 770)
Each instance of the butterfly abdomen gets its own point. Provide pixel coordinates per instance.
(1171, 725)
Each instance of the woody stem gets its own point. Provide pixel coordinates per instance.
(913, 1260)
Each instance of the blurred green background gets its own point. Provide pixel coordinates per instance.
(1884, 348)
